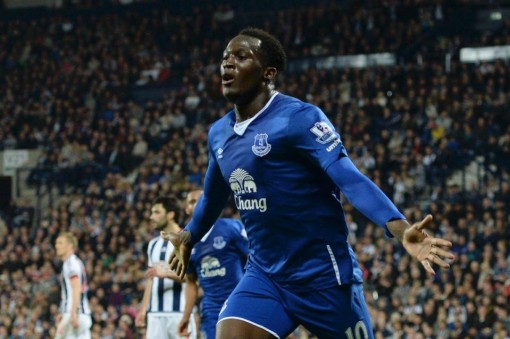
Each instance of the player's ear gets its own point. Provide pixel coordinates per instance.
(170, 215)
(270, 74)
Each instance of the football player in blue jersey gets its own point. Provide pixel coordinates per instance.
(286, 166)
(217, 262)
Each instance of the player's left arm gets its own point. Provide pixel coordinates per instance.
(369, 199)
(315, 137)
(75, 301)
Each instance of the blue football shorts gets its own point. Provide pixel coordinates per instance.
(208, 327)
(337, 312)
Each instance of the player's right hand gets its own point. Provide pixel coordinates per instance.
(182, 328)
(182, 251)
(140, 319)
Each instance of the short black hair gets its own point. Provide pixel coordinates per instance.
(170, 204)
(271, 48)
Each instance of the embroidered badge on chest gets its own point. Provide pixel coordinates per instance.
(260, 146)
(219, 242)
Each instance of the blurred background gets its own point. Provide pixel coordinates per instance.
(105, 105)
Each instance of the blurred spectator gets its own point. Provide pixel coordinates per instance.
(66, 87)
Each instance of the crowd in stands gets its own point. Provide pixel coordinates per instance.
(67, 88)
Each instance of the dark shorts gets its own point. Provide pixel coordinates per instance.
(337, 312)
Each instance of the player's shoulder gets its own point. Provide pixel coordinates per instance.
(229, 224)
(72, 262)
(154, 240)
(224, 122)
(292, 105)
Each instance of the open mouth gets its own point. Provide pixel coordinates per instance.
(227, 79)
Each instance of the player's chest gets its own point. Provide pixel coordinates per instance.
(161, 251)
(252, 152)
(215, 247)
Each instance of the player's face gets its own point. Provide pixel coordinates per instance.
(191, 202)
(242, 72)
(62, 247)
(158, 217)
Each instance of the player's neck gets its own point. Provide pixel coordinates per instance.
(247, 110)
(66, 256)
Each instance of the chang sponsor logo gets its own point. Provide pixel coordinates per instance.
(251, 204)
(241, 183)
(210, 267)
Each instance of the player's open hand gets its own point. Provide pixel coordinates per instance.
(426, 248)
(182, 251)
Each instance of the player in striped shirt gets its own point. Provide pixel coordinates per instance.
(75, 320)
(217, 263)
(164, 296)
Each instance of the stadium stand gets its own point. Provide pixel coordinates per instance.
(119, 99)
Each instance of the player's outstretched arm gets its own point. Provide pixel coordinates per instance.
(419, 244)
(179, 259)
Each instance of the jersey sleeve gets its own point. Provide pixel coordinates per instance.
(313, 135)
(150, 248)
(74, 269)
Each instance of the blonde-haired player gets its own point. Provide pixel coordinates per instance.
(75, 320)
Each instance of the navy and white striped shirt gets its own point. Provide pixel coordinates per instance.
(72, 267)
(167, 295)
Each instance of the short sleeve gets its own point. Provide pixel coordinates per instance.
(74, 269)
(150, 248)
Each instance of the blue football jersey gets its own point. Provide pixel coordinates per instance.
(218, 260)
(289, 206)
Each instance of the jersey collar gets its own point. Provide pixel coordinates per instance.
(240, 127)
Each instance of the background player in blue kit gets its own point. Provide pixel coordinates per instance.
(287, 166)
(217, 261)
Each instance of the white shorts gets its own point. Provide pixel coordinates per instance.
(165, 326)
(66, 331)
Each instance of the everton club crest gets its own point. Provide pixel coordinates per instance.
(260, 146)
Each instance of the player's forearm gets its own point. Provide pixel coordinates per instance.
(75, 301)
(397, 228)
(146, 294)
(172, 275)
(363, 193)
(191, 298)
